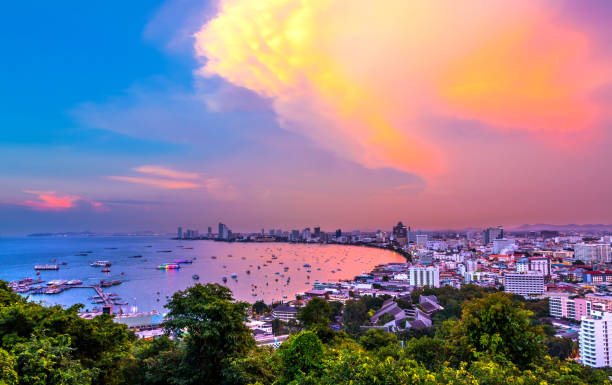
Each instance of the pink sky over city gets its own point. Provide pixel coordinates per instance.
(351, 114)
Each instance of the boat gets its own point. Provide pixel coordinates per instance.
(248, 271)
(57, 282)
(119, 303)
(169, 266)
(110, 248)
(100, 264)
(136, 256)
(183, 261)
(106, 270)
(63, 263)
(234, 275)
(74, 282)
(213, 257)
(195, 276)
(81, 255)
(46, 267)
(164, 251)
(104, 283)
(224, 279)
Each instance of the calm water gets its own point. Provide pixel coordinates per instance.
(142, 281)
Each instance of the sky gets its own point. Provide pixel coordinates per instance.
(147, 115)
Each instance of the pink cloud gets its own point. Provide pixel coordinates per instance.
(52, 201)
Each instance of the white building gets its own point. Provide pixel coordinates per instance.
(424, 276)
(530, 284)
(503, 246)
(421, 239)
(595, 339)
(591, 253)
(541, 264)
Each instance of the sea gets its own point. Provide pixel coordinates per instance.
(263, 271)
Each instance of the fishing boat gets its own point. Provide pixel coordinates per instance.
(195, 276)
(169, 266)
(100, 264)
(46, 267)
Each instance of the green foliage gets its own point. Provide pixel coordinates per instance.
(8, 375)
(260, 307)
(215, 329)
(336, 309)
(560, 347)
(260, 365)
(431, 352)
(374, 303)
(49, 361)
(354, 316)
(315, 314)
(300, 355)
(494, 325)
(385, 318)
(377, 338)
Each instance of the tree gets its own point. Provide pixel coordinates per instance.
(336, 309)
(300, 355)
(560, 347)
(354, 316)
(215, 329)
(385, 318)
(316, 313)
(430, 352)
(48, 361)
(260, 307)
(496, 326)
(8, 375)
(377, 338)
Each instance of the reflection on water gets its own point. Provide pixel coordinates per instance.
(267, 271)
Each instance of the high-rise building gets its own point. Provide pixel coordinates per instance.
(424, 276)
(317, 232)
(306, 234)
(179, 233)
(421, 239)
(338, 233)
(295, 235)
(223, 231)
(529, 284)
(596, 339)
(271, 232)
(400, 233)
(209, 230)
(592, 253)
(503, 246)
(492, 233)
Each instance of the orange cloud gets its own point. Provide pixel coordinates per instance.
(52, 201)
(166, 172)
(357, 76)
(156, 182)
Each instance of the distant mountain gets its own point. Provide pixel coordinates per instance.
(67, 234)
(568, 227)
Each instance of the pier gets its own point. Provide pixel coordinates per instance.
(107, 301)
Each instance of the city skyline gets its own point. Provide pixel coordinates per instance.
(444, 116)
